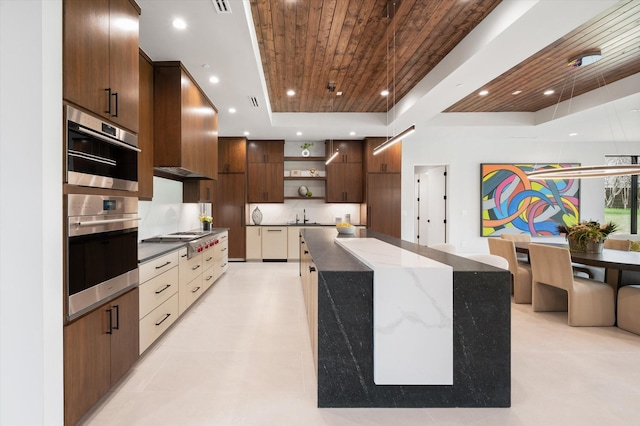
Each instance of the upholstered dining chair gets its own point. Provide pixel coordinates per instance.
(624, 245)
(491, 259)
(521, 273)
(448, 247)
(555, 288)
(629, 308)
(517, 238)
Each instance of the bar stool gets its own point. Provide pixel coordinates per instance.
(629, 308)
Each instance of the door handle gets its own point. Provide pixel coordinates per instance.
(110, 321)
(116, 96)
(108, 90)
(117, 309)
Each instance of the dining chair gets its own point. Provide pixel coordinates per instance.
(555, 288)
(629, 308)
(517, 238)
(448, 247)
(520, 272)
(624, 245)
(491, 259)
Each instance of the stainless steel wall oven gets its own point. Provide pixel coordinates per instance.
(99, 154)
(102, 250)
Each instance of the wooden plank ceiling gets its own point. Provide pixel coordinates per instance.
(616, 33)
(358, 45)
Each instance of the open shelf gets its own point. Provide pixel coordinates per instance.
(304, 178)
(305, 159)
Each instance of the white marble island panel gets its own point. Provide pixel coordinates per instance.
(412, 314)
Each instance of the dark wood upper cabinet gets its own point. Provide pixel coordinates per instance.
(265, 151)
(197, 191)
(344, 183)
(145, 135)
(348, 151)
(100, 58)
(265, 182)
(383, 203)
(387, 161)
(232, 155)
(185, 124)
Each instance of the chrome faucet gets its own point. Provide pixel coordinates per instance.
(304, 216)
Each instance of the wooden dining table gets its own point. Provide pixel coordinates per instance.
(613, 261)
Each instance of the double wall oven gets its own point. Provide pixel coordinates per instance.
(101, 250)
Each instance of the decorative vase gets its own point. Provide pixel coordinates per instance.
(206, 226)
(585, 246)
(305, 153)
(256, 215)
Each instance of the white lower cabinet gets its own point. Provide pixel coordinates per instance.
(171, 283)
(254, 243)
(293, 242)
(274, 243)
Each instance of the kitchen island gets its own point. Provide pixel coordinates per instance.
(339, 291)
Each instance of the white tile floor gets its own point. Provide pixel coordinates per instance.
(241, 356)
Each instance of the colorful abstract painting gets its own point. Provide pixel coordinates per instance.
(511, 203)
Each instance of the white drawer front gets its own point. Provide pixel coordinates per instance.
(208, 257)
(190, 269)
(157, 321)
(157, 266)
(222, 249)
(209, 277)
(158, 289)
(194, 290)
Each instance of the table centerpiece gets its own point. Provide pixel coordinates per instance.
(587, 236)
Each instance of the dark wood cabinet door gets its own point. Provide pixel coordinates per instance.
(124, 63)
(265, 151)
(229, 210)
(232, 155)
(383, 199)
(192, 126)
(265, 182)
(125, 336)
(145, 135)
(344, 183)
(388, 161)
(348, 151)
(86, 54)
(87, 363)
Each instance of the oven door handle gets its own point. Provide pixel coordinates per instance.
(91, 157)
(102, 222)
(111, 141)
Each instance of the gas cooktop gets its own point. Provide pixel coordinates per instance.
(197, 241)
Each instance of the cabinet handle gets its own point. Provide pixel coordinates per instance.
(110, 322)
(163, 289)
(108, 111)
(116, 96)
(195, 290)
(224, 264)
(209, 277)
(163, 319)
(312, 269)
(274, 230)
(306, 252)
(224, 249)
(117, 309)
(195, 267)
(184, 255)
(163, 265)
(209, 258)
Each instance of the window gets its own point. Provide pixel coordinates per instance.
(622, 196)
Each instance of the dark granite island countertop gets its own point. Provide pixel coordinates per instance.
(481, 331)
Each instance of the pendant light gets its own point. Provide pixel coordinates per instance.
(331, 87)
(580, 172)
(397, 138)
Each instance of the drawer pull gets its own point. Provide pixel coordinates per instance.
(306, 252)
(208, 259)
(209, 277)
(163, 319)
(195, 267)
(224, 249)
(184, 255)
(224, 265)
(163, 265)
(274, 230)
(195, 289)
(163, 289)
(312, 269)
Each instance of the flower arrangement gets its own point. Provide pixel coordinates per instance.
(206, 219)
(582, 236)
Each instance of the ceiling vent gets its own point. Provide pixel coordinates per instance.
(222, 6)
(254, 101)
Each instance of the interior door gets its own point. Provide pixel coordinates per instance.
(431, 208)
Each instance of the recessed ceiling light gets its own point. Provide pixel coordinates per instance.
(232, 110)
(517, 92)
(291, 92)
(246, 133)
(573, 134)
(483, 93)
(214, 79)
(299, 133)
(385, 93)
(549, 92)
(352, 133)
(179, 24)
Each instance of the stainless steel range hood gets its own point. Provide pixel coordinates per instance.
(178, 172)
